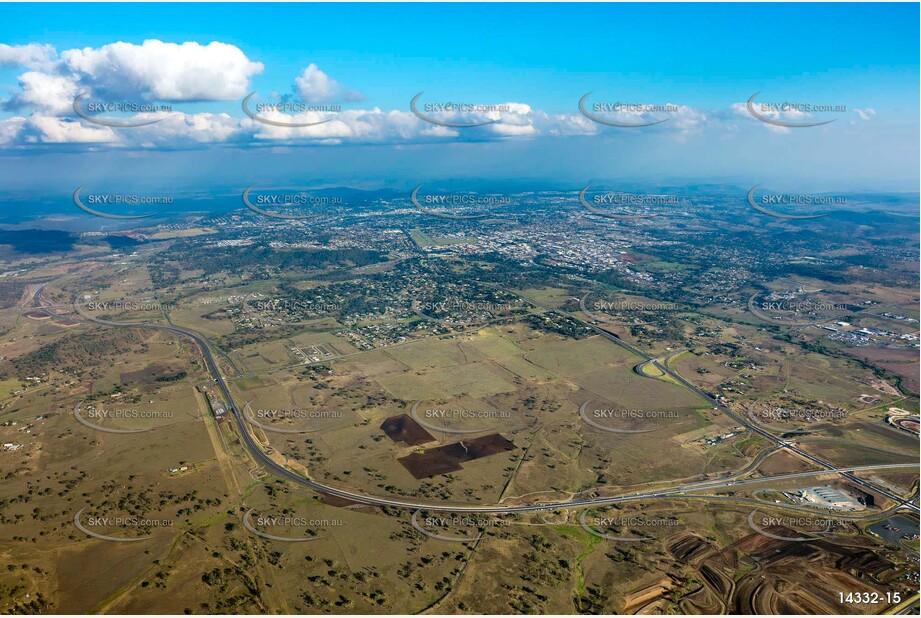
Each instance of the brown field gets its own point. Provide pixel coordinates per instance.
(903, 363)
(351, 427)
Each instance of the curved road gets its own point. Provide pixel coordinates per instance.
(260, 456)
(752, 427)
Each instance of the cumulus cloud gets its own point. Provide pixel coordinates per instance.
(314, 86)
(741, 110)
(671, 118)
(175, 72)
(563, 125)
(174, 131)
(865, 114)
(31, 56)
(178, 130)
(52, 130)
(470, 114)
(50, 94)
(153, 70)
(789, 115)
(162, 71)
(394, 126)
(687, 119)
(367, 126)
(10, 129)
(354, 126)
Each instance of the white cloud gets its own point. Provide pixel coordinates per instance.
(741, 109)
(162, 71)
(159, 71)
(371, 126)
(865, 114)
(51, 94)
(687, 119)
(378, 126)
(563, 125)
(51, 130)
(178, 130)
(314, 86)
(512, 130)
(10, 129)
(368, 126)
(31, 56)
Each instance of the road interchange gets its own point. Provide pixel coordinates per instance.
(680, 491)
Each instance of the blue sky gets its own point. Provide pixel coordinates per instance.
(706, 58)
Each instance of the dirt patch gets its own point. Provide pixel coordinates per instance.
(686, 547)
(404, 428)
(647, 594)
(449, 458)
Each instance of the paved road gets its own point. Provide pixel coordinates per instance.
(743, 421)
(261, 457)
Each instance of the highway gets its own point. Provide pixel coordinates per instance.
(779, 442)
(262, 458)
